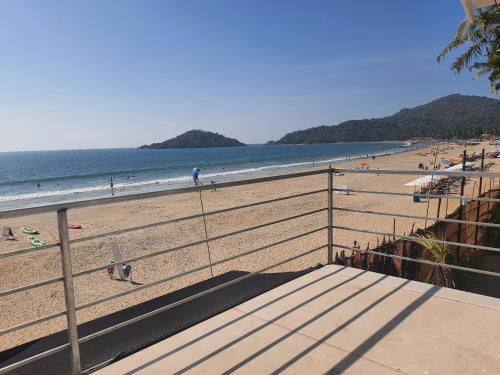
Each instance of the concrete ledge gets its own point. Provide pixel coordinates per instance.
(337, 320)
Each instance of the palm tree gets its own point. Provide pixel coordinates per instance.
(437, 253)
(483, 46)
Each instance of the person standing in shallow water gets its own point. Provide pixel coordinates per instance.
(112, 187)
(195, 173)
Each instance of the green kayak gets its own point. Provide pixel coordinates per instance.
(29, 230)
(36, 241)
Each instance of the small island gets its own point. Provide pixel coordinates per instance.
(195, 139)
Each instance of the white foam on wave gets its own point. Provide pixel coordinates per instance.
(166, 181)
(87, 190)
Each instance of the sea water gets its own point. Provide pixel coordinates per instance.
(41, 177)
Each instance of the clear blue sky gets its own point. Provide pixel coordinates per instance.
(106, 73)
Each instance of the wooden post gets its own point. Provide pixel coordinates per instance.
(394, 231)
(447, 199)
(476, 229)
(489, 196)
(462, 189)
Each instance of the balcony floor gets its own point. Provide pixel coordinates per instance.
(337, 320)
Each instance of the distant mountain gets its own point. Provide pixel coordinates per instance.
(195, 139)
(452, 116)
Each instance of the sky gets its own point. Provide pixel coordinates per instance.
(105, 73)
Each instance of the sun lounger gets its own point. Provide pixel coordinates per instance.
(344, 190)
(7, 234)
(117, 254)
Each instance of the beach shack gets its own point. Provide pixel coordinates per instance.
(433, 182)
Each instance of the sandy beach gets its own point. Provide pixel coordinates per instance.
(45, 264)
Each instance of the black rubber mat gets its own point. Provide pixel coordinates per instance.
(129, 339)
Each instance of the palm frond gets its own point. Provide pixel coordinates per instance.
(456, 42)
(465, 60)
(483, 45)
(439, 251)
(480, 73)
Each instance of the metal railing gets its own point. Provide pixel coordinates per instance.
(64, 244)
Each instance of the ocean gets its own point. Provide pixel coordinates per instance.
(42, 177)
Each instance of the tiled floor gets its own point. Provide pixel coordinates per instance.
(337, 320)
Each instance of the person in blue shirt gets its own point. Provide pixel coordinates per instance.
(195, 173)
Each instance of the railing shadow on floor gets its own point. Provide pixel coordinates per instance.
(366, 345)
(231, 322)
(339, 367)
(267, 323)
(315, 318)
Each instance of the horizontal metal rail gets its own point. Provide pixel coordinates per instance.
(161, 193)
(411, 238)
(393, 214)
(46, 282)
(182, 274)
(32, 322)
(419, 172)
(156, 311)
(30, 286)
(480, 199)
(153, 194)
(194, 296)
(196, 216)
(200, 242)
(28, 250)
(146, 226)
(34, 358)
(424, 261)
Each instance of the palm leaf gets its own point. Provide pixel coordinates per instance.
(483, 47)
(438, 251)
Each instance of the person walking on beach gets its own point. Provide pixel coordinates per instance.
(356, 254)
(111, 185)
(195, 173)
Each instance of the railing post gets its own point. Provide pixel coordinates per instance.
(69, 291)
(330, 216)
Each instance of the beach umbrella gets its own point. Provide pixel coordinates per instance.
(424, 181)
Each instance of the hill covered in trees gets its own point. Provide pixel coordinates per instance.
(195, 139)
(452, 116)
